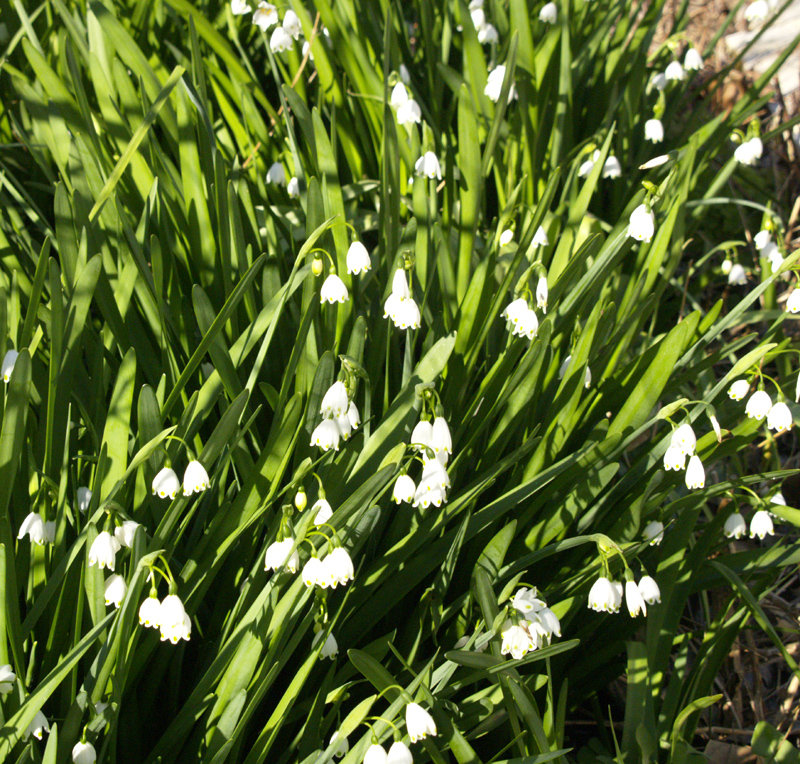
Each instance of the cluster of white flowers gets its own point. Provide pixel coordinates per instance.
(339, 418)
(749, 152)
(435, 446)
(768, 249)
(605, 596)
(266, 17)
(195, 480)
(523, 635)
(494, 85)
(761, 525)
(611, 167)
(683, 444)
(521, 319)
(399, 753)
(408, 111)
(759, 405)
(400, 306)
(336, 568)
(487, 33)
(168, 615)
(37, 529)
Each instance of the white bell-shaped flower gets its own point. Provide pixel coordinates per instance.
(333, 290)
(322, 511)
(195, 478)
(550, 621)
(428, 166)
(335, 402)
(343, 747)
(293, 187)
(695, 474)
(674, 458)
(612, 168)
(339, 567)
(103, 551)
(115, 590)
(7, 679)
(276, 174)
(737, 275)
(125, 533)
(735, 526)
(404, 489)
(684, 439)
(494, 85)
(541, 294)
(605, 596)
(739, 389)
(84, 498)
(326, 435)
(174, 622)
(84, 753)
(749, 152)
(779, 418)
(526, 601)
(399, 753)
(239, 7)
(654, 130)
(419, 723)
(642, 224)
(9, 361)
(654, 532)
(516, 640)
(265, 16)
(38, 725)
(33, 526)
(488, 34)
(376, 754)
(634, 600)
(588, 165)
(422, 436)
(540, 238)
(441, 440)
(435, 473)
(762, 239)
(506, 237)
(649, 590)
(279, 553)
(549, 13)
(514, 312)
(353, 416)
(313, 573)
(291, 24)
(280, 40)
(659, 81)
(793, 303)
(149, 612)
(528, 325)
(358, 259)
(166, 483)
(330, 648)
(692, 61)
(761, 525)
(674, 72)
(758, 405)
(407, 315)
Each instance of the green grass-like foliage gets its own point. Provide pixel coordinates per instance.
(160, 294)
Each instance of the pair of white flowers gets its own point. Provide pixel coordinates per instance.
(761, 525)
(400, 305)
(521, 319)
(494, 85)
(535, 630)
(749, 152)
(339, 418)
(168, 615)
(195, 480)
(564, 368)
(611, 167)
(408, 110)
(103, 551)
(40, 531)
(265, 17)
(683, 444)
(399, 753)
(336, 568)
(605, 596)
(759, 405)
(768, 249)
(487, 33)
(333, 288)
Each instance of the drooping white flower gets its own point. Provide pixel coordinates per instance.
(434, 473)
(9, 361)
(779, 418)
(7, 679)
(488, 34)
(293, 187)
(549, 13)
(313, 573)
(737, 276)
(239, 7)
(404, 489)
(793, 303)
(376, 754)
(692, 61)
(408, 110)
(335, 401)
(562, 370)
(655, 162)
(428, 166)
(125, 533)
(758, 405)
(735, 526)
(612, 168)
(749, 152)
(514, 312)
(778, 498)
(353, 416)
(83, 753)
(527, 326)
(291, 24)
(173, 620)
(326, 435)
(506, 237)
(659, 81)
(149, 612)
(527, 601)
(654, 130)
(634, 599)
(322, 511)
(422, 436)
(441, 440)
(339, 567)
(762, 239)
(654, 532)
(343, 747)
(695, 474)
(494, 85)
(280, 40)
(265, 16)
(717, 429)
(195, 479)
(649, 590)
(279, 553)
(642, 224)
(115, 590)
(84, 498)
(399, 753)
(419, 723)
(330, 648)
(540, 238)
(307, 50)
(103, 551)
(407, 315)
(478, 17)
(33, 526)
(333, 290)
(166, 483)
(588, 165)
(757, 11)
(276, 174)
(739, 389)
(516, 640)
(684, 438)
(674, 458)
(38, 725)
(541, 294)
(358, 258)
(761, 525)
(604, 596)
(773, 256)
(674, 72)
